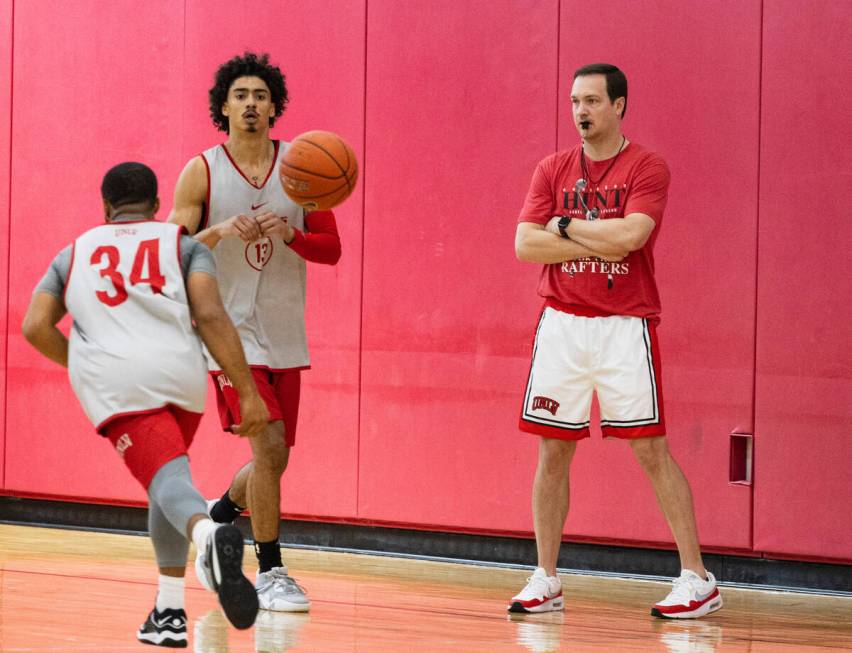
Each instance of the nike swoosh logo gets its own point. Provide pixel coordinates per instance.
(703, 598)
(168, 622)
(255, 208)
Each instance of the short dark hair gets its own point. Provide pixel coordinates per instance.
(616, 81)
(129, 183)
(249, 65)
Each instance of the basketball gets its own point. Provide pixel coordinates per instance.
(319, 170)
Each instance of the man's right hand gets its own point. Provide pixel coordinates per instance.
(240, 226)
(255, 416)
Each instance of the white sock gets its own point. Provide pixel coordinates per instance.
(170, 593)
(202, 530)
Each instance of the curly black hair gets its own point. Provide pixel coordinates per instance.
(249, 65)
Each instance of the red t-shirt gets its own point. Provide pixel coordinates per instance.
(637, 182)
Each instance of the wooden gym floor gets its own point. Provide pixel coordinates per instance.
(81, 592)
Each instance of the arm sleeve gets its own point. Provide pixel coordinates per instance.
(54, 280)
(195, 256)
(539, 204)
(320, 242)
(650, 190)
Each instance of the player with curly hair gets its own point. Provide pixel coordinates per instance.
(231, 198)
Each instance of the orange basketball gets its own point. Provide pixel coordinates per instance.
(319, 170)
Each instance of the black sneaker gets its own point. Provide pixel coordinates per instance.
(166, 628)
(211, 504)
(219, 567)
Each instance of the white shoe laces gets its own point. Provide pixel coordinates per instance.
(682, 588)
(686, 588)
(536, 586)
(281, 580)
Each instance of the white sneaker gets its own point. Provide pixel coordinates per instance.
(690, 597)
(278, 592)
(219, 567)
(543, 593)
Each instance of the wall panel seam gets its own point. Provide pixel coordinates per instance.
(363, 267)
(8, 239)
(756, 277)
(558, 71)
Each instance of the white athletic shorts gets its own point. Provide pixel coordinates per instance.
(616, 357)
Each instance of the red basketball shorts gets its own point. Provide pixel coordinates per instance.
(279, 391)
(149, 440)
(615, 357)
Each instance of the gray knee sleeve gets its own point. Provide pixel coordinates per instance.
(173, 500)
(170, 546)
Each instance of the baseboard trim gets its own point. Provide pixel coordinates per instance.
(651, 564)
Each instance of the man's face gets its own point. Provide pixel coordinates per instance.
(595, 116)
(249, 105)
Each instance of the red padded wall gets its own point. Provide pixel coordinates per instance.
(804, 377)
(149, 102)
(459, 110)
(706, 56)
(320, 48)
(72, 122)
(5, 186)
(414, 419)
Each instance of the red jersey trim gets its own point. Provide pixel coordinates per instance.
(242, 174)
(215, 373)
(133, 413)
(205, 208)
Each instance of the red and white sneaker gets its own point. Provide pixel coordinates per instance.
(690, 597)
(543, 593)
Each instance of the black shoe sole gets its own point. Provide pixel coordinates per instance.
(167, 643)
(517, 608)
(237, 595)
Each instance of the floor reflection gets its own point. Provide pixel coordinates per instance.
(688, 636)
(274, 632)
(539, 633)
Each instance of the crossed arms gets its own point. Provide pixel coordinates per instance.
(610, 240)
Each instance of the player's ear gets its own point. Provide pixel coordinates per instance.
(225, 109)
(156, 206)
(107, 210)
(619, 106)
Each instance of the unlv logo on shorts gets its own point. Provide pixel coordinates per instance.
(545, 403)
(123, 444)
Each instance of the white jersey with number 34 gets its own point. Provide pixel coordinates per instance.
(132, 347)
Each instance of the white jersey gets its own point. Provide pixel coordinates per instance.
(262, 283)
(132, 347)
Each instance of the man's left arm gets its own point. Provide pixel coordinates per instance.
(39, 327)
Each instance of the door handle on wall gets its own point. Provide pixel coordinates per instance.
(741, 457)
